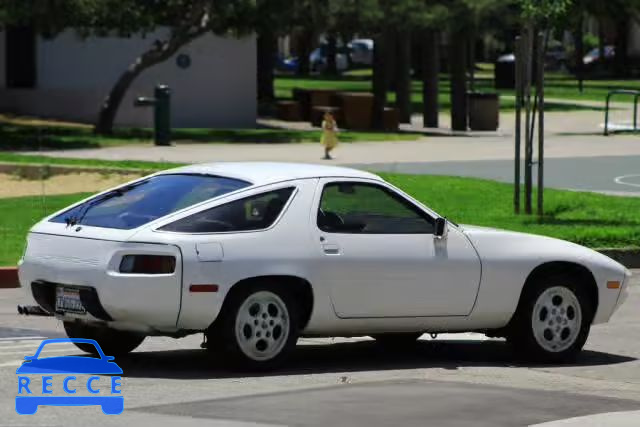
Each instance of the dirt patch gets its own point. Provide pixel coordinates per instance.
(15, 186)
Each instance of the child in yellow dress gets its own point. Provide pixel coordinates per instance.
(329, 138)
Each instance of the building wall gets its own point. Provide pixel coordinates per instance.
(218, 89)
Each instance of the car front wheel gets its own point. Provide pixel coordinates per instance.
(258, 327)
(553, 320)
(112, 341)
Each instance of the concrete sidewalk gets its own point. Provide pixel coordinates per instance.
(428, 149)
(567, 134)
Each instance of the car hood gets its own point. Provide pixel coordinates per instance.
(500, 243)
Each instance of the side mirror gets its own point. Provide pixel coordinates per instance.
(441, 229)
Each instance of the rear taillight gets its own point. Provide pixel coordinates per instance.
(148, 264)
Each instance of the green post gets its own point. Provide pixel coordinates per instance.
(162, 115)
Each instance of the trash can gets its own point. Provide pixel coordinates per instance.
(357, 110)
(504, 73)
(484, 111)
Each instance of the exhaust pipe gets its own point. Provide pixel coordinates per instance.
(33, 310)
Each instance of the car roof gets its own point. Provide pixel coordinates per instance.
(262, 173)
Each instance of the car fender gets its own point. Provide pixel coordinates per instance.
(508, 258)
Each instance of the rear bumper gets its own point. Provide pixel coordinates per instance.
(144, 301)
(44, 293)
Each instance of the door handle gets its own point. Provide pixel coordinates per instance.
(331, 249)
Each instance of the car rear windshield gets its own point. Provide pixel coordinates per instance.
(141, 202)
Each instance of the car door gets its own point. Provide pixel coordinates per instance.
(379, 256)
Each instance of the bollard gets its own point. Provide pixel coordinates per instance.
(161, 113)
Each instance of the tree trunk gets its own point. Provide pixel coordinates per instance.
(471, 62)
(579, 51)
(267, 47)
(621, 58)
(157, 54)
(403, 75)
(601, 41)
(430, 69)
(380, 80)
(457, 60)
(304, 50)
(332, 52)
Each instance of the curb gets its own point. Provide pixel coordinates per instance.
(9, 277)
(630, 258)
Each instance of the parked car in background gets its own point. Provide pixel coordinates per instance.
(592, 59)
(361, 51)
(318, 58)
(288, 65)
(257, 254)
(556, 58)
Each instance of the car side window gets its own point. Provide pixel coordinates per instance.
(349, 207)
(251, 213)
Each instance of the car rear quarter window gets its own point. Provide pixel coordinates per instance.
(134, 205)
(248, 214)
(348, 207)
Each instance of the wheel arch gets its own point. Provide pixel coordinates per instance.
(554, 267)
(299, 287)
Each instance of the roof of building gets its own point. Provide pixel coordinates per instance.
(260, 173)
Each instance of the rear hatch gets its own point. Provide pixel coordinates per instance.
(86, 261)
(80, 250)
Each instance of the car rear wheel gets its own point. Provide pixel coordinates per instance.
(112, 341)
(258, 327)
(397, 339)
(553, 319)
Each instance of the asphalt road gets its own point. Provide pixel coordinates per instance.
(455, 380)
(610, 174)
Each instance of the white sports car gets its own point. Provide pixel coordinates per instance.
(257, 254)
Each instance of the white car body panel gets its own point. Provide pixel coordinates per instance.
(470, 280)
(388, 275)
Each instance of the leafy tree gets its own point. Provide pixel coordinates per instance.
(185, 21)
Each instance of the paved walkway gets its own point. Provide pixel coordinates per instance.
(575, 134)
(428, 149)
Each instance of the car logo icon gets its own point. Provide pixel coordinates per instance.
(29, 398)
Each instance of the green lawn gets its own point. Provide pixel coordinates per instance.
(28, 159)
(590, 219)
(557, 86)
(25, 134)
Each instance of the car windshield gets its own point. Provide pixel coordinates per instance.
(139, 203)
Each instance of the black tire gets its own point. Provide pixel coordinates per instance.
(521, 333)
(272, 300)
(397, 339)
(113, 342)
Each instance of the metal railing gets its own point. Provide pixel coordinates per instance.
(636, 95)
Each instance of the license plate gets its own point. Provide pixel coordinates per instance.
(68, 300)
